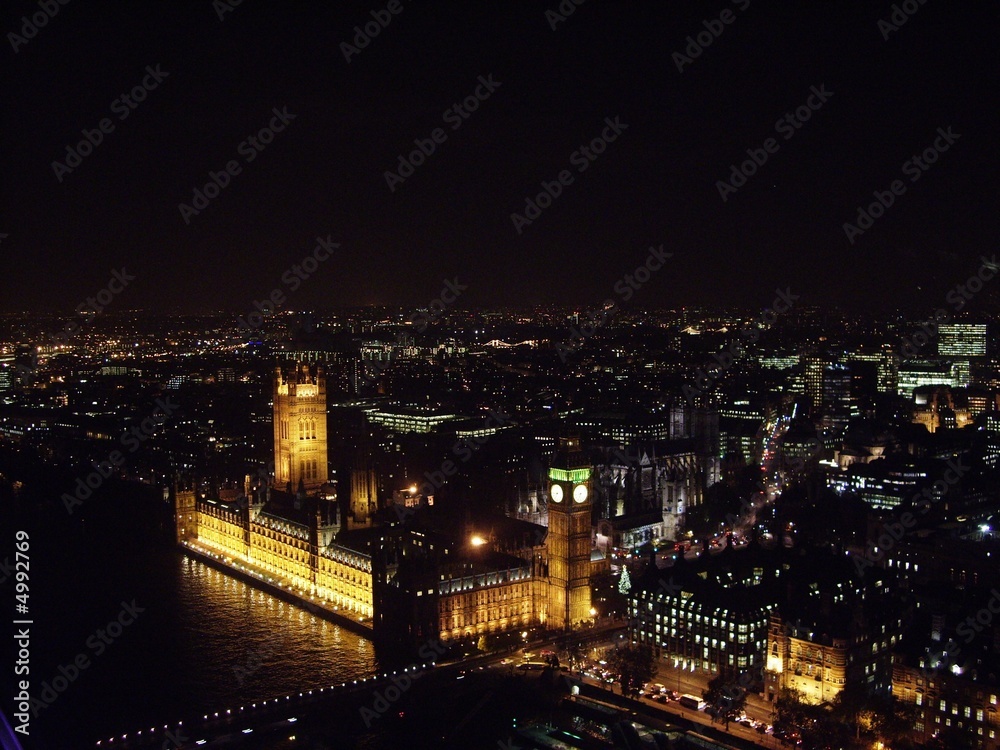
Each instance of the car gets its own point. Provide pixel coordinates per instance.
(673, 695)
(660, 698)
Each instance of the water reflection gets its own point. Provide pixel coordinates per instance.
(241, 644)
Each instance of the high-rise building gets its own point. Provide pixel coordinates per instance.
(569, 540)
(838, 403)
(963, 343)
(25, 365)
(963, 340)
(812, 368)
(300, 453)
(915, 373)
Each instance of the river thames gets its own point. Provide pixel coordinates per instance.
(163, 637)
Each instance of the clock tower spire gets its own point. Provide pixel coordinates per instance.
(569, 538)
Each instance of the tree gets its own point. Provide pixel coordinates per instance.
(854, 707)
(721, 504)
(625, 583)
(952, 738)
(727, 697)
(790, 708)
(574, 651)
(634, 665)
(895, 723)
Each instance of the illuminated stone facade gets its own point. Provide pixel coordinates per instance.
(569, 539)
(300, 453)
(799, 659)
(948, 704)
(476, 602)
(291, 546)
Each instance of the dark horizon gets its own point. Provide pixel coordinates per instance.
(344, 124)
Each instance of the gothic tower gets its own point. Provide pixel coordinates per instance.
(364, 495)
(185, 513)
(363, 500)
(300, 427)
(569, 537)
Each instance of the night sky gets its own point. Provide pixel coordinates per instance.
(324, 174)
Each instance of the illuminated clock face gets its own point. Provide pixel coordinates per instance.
(557, 493)
(580, 493)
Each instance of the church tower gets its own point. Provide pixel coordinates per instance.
(300, 428)
(569, 537)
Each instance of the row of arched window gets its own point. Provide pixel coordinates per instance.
(307, 429)
(309, 469)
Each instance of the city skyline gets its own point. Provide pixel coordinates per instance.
(626, 373)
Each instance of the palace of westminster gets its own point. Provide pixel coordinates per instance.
(388, 570)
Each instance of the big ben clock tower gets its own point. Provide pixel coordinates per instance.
(569, 538)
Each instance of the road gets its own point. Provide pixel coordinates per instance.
(674, 709)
